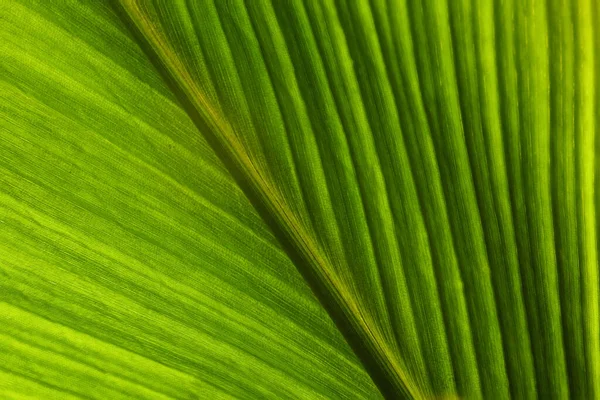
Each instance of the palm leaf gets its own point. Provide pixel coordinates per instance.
(298, 199)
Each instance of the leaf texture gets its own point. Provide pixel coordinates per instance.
(132, 265)
(299, 199)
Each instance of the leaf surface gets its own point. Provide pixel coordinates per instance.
(299, 199)
(132, 266)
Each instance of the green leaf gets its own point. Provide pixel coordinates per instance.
(299, 199)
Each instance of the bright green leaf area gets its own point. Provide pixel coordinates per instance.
(299, 199)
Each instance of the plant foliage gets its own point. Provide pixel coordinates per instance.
(205, 199)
